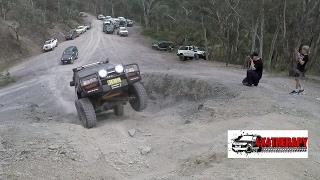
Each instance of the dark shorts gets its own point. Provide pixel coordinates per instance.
(252, 78)
(298, 74)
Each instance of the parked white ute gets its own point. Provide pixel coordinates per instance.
(190, 52)
(49, 45)
(123, 31)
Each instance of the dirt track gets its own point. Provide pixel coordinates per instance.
(192, 105)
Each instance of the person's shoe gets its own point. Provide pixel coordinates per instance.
(294, 92)
(247, 84)
(301, 91)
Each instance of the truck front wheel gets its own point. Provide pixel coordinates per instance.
(139, 97)
(86, 112)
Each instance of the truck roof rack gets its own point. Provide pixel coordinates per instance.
(89, 65)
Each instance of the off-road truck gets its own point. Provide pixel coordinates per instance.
(50, 44)
(192, 52)
(103, 86)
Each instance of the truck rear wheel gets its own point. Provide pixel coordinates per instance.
(118, 110)
(140, 98)
(86, 112)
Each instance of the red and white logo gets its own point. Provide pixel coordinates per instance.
(268, 144)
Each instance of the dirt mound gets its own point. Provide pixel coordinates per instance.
(168, 89)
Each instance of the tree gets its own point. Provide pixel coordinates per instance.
(147, 6)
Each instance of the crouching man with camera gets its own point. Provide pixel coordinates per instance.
(254, 72)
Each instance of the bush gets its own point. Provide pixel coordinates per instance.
(5, 79)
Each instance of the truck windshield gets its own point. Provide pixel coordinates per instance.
(183, 48)
(246, 138)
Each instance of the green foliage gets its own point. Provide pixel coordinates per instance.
(5, 78)
(160, 35)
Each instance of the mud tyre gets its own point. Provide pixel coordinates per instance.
(249, 149)
(118, 110)
(86, 113)
(140, 98)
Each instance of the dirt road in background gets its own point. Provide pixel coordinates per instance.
(181, 135)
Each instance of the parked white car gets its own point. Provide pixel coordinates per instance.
(100, 17)
(50, 44)
(81, 29)
(121, 18)
(192, 52)
(123, 31)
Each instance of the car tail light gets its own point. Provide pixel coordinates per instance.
(89, 80)
(131, 68)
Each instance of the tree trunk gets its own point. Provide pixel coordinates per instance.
(4, 12)
(112, 9)
(205, 38)
(254, 36)
(284, 19)
(237, 43)
(228, 48)
(145, 13)
(261, 30)
(273, 43)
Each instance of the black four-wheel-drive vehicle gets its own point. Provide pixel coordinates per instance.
(163, 46)
(103, 86)
(130, 22)
(71, 35)
(69, 55)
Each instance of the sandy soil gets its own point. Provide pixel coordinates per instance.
(181, 135)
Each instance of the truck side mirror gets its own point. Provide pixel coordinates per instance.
(72, 83)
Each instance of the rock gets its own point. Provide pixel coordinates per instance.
(147, 134)
(318, 99)
(53, 147)
(123, 150)
(63, 152)
(187, 121)
(144, 150)
(132, 132)
(2, 149)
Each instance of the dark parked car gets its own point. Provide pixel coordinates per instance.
(72, 35)
(89, 26)
(69, 55)
(104, 86)
(129, 22)
(163, 46)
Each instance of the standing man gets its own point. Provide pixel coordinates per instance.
(302, 58)
(254, 72)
